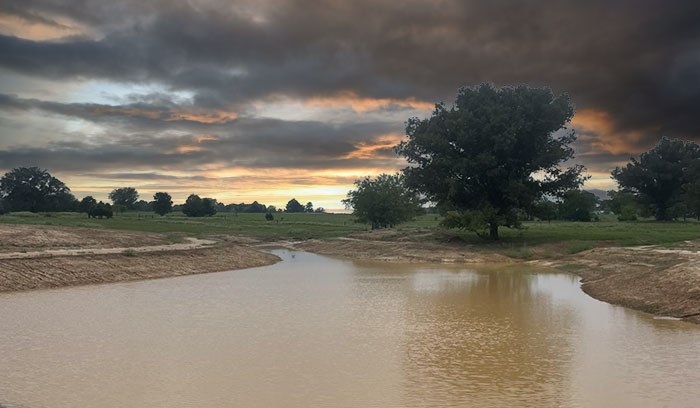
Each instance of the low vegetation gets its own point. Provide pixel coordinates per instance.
(535, 239)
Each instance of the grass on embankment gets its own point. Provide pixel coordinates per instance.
(535, 240)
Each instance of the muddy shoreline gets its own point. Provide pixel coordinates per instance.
(661, 281)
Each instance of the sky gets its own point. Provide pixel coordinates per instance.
(272, 99)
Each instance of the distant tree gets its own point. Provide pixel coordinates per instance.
(208, 207)
(577, 205)
(544, 210)
(309, 207)
(320, 210)
(657, 177)
(193, 206)
(479, 158)
(125, 196)
(269, 217)
(383, 201)
(254, 207)
(162, 203)
(199, 207)
(100, 210)
(34, 189)
(617, 200)
(143, 205)
(293, 206)
(271, 208)
(86, 204)
(627, 213)
(118, 208)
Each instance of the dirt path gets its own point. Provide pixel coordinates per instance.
(191, 243)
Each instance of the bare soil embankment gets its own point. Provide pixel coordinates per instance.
(383, 246)
(657, 280)
(67, 263)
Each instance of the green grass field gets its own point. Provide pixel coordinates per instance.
(571, 237)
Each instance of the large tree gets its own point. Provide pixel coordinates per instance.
(34, 189)
(162, 203)
(383, 201)
(658, 176)
(492, 155)
(126, 196)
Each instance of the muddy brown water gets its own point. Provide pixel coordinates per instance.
(313, 331)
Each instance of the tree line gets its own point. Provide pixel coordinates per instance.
(35, 190)
(495, 159)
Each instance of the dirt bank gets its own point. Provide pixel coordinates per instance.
(36, 257)
(24, 238)
(51, 272)
(661, 281)
(399, 251)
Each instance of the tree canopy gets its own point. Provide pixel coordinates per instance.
(199, 207)
(162, 203)
(577, 205)
(293, 206)
(492, 155)
(126, 196)
(383, 201)
(34, 189)
(657, 177)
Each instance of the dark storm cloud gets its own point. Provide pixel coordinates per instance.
(636, 60)
(188, 144)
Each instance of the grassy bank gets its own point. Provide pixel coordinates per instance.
(536, 239)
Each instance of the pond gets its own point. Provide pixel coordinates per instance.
(313, 331)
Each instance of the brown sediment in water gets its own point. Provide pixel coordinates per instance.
(661, 281)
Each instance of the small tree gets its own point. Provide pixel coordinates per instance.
(293, 206)
(383, 201)
(269, 217)
(199, 207)
(162, 203)
(320, 210)
(208, 207)
(577, 205)
(481, 157)
(100, 210)
(309, 207)
(192, 206)
(126, 196)
(86, 204)
(627, 213)
(617, 200)
(544, 210)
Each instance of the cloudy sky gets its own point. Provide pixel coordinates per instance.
(272, 99)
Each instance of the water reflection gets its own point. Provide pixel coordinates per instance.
(314, 331)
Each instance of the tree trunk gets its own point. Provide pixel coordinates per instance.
(493, 231)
